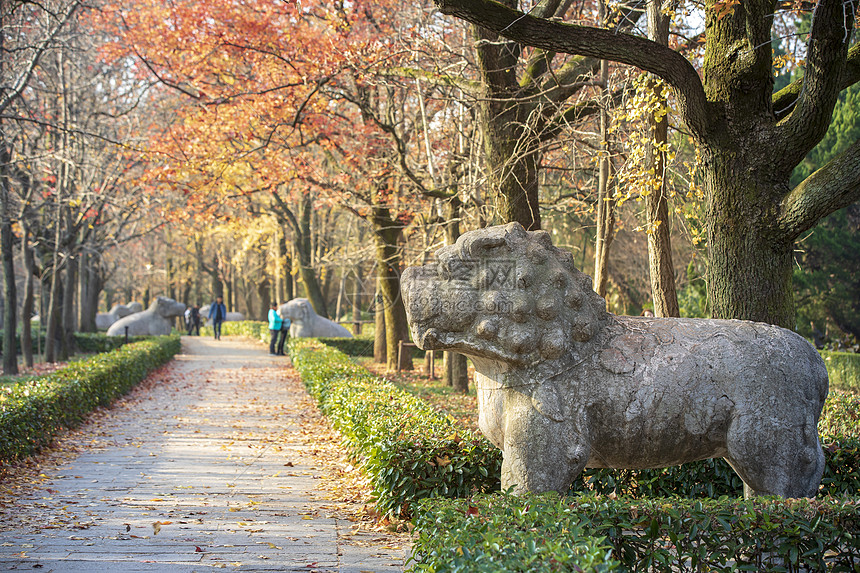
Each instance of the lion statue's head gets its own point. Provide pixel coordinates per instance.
(502, 293)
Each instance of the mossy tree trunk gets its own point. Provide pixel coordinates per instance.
(386, 232)
(751, 138)
(10, 298)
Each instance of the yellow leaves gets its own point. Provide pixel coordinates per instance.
(724, 8)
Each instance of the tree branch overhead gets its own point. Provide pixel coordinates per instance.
(592, 42)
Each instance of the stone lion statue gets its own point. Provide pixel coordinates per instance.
(306, 323)
(117, 311)
(564, 385)
(153, 321)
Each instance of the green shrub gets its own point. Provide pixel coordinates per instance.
(33, 412)
(840, 417)
(501, 533)
(663, 534)
(409, 450)
(843, 369)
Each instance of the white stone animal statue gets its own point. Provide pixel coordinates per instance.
(306, 323)
(564, 385)
(232, 316)
(156, 320)
(118, 311)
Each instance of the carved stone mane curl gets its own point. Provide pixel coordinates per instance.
(538, 308)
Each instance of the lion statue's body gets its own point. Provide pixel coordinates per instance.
(105, 319)
(306, 323)
(154, 321)
(564, 385)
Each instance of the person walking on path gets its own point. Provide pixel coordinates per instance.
(274, 329)
(217, 314)
(215, 461)
(195, 320)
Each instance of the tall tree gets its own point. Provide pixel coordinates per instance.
(660, 266)
(751, 138)
(27, 31)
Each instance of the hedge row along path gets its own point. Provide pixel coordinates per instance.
(217, 460)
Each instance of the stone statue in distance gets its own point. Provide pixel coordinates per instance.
(306, 323)
(153, 321)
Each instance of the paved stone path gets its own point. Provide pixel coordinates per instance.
(207, 465)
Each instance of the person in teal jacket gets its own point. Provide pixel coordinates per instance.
(274, 328)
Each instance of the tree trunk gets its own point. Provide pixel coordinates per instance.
(27, 305)
(306, 268)
(285, 292)
(356, 303)
(10, 298)
(749, 264)
(264, 293)
(513, 159)
(387, 231)
(90, 295)
(456, 370)
(380, 348)
(52, 314)
(660, 267)
(68, 316)
(605, 203)
(511, 148)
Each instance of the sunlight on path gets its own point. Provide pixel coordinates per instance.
(203, 466)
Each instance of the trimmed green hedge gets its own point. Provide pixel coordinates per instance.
(33, 412)
(843, 369)
(409, 450)
(503, 533)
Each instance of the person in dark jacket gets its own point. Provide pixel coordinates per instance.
(195, 320)
(217, 314)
